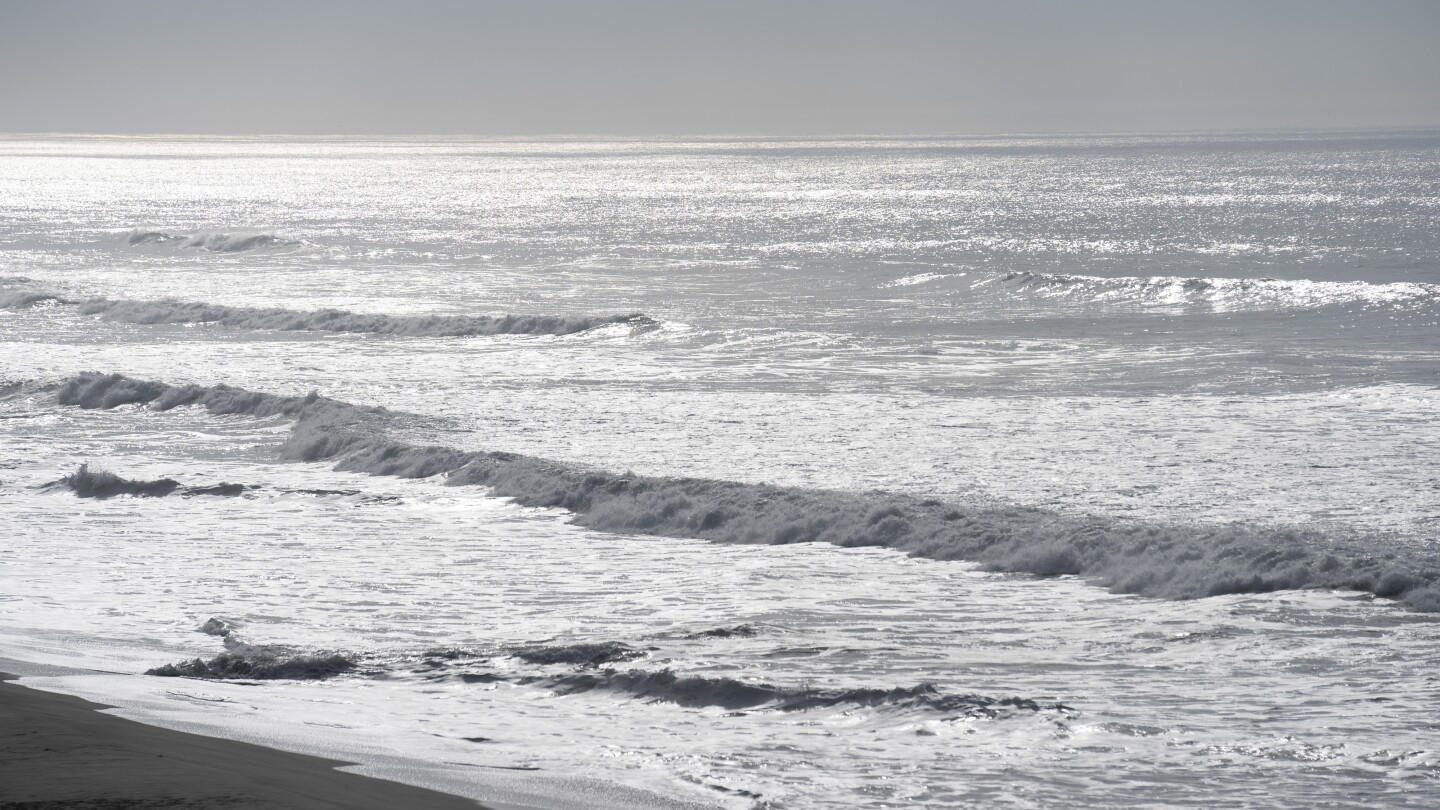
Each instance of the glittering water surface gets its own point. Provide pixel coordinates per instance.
(1218, 331)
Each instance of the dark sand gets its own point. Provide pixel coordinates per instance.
(57, 751)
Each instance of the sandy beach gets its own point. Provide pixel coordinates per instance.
(58, 751)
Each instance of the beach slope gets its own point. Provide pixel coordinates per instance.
(59, 751)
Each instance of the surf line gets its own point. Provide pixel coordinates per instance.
(1151, 559)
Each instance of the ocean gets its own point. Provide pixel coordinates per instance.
(740, 473)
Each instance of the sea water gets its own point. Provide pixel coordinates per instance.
(1033, 472)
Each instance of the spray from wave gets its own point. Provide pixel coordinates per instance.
(256, 662)
(96, 483)
(88, 483)
(325, 320)
(1171, 561)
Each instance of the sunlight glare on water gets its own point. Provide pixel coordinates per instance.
(1181, 339)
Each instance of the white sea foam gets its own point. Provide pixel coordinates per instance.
(503, 638)
(325, 320)
(1220, 293)
(918, 278)
(1158, 560)
(1175, 366)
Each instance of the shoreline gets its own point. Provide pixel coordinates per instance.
(57, 750)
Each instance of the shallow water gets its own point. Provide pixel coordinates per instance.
(1221, 334)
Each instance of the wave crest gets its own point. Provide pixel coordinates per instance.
(256, 662)
(338, 320)
(590, 654)
(738, 631)
(260, 663)
(325, 320)
(699, 691)
(88, 483)
(1170, 561)
(214, 241)
(1224, 293)
(24, 299)
(245, 661)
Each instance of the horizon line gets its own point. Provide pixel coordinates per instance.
(912, 135)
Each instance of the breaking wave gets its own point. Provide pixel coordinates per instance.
(260, 664)
(214, 241)
(738, 631)
(1171, 561)
(218, 490)
(702, 691)
(88, 483)
(102, 483)
(256, 662)
(324, 320)
(1225, 293)
(337, 320)
(216, 627)
(245, 661)
(590, 654)
(698, 691)
(23, 299)
(96, 483)
(101, 391)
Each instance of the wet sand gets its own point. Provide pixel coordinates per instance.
(58, 751)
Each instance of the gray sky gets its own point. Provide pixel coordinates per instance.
(720, 67)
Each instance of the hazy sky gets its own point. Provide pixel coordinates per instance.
(720, 66)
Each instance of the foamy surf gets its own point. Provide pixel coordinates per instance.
(927, 430)
(576, 669)
(1171, 561)
(1218, 293)
(326, 320)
